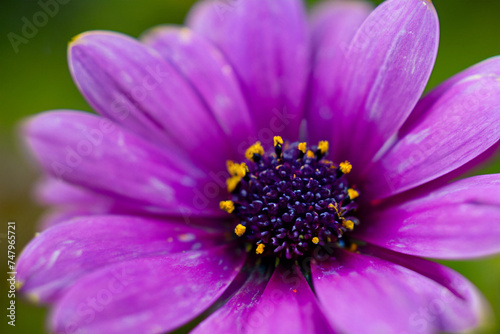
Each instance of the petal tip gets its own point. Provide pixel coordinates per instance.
(75, 39)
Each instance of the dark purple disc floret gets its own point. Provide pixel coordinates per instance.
(290, 200)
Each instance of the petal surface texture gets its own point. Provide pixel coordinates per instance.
(91, 152)
(149, 295)
(134, 86)
(333, 26)
(455, 125)
(457, 221)
(384, 73)
(266, 42)
(286, 305)
(211, 75)
(58, 257)
(394, 293)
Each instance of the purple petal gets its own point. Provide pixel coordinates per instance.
(457, 221)
(92, 152)
(60, 214)
(385, 72)
(459, 127)
(457, 303)
(266, 42)
(58, 257)
(286, 305)
(486, 67)
(402, 295)
(132, 85)
(332, 29)
(52, 191)
(68, 201)
(235, 316)
(209, 73)
(149, 295)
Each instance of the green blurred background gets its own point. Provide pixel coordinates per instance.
(36, 78)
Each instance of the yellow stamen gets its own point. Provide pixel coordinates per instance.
(323, 146)
(348, 224)
(352, 193)
(331, 206)
(353, 247)
(227, 206)
(236, 169)
(345, 167)
(260, 248)
(303, 147)
(278, 141)
(240, 230)
(310, 154)
(230, 166)
(243, 169)
(232, 183)
(315, 240)
(254, 149)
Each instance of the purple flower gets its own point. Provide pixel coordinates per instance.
(337, 182)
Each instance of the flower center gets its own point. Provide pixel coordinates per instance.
(291, 200)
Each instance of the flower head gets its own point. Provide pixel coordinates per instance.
(194, 189)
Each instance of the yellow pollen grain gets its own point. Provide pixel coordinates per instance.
(348, 224)
(303, 147)
(331, 206)
(323, 146)
(353, 247)
(227, 206)
(236, 169)
(240, 230)
(345, 167)
(232, 183)
(352, 193)
(260, 249)
(230, 166)
(310, 154)
(243, 169)
(315, 240)
(254, 149)
(278, 141)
